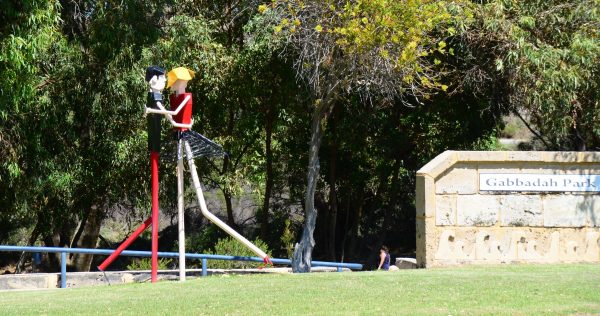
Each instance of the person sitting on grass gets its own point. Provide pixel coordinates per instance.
(384, 259)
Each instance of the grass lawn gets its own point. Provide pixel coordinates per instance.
(507, 289)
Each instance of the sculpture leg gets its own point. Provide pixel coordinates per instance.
(211, 217)
(180, 208)
(154, 167)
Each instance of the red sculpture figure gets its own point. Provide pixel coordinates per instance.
(190, 142)
(194, 145)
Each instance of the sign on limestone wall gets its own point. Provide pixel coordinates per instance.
(503, 207)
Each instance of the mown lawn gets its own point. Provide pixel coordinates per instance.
(497, 290)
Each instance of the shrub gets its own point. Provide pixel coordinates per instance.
(232, 247)
(146, 264)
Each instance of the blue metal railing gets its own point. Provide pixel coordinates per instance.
(137, 253)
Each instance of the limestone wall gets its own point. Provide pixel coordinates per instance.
(457, 223)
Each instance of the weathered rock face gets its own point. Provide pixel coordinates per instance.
(545, 207)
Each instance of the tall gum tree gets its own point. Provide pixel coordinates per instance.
(547, 54)
(378, 49)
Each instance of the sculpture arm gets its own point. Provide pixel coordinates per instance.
(169, 116)
(167, 112)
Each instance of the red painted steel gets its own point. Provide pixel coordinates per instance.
(185, 116)
(124, 245)
(154, 163)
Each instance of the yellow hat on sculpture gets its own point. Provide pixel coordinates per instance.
(179, 73)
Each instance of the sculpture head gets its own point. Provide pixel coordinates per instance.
(178, 78)
(155, 76)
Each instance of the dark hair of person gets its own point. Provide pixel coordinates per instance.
(384, 248)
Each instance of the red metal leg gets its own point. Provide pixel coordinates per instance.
(124, 245)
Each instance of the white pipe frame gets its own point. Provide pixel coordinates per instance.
(180, 211)
(211, 216)
(184, 145)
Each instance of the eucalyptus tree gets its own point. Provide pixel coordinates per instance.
(28, 35)
(547, 56)
(376, 49)
(76, 116)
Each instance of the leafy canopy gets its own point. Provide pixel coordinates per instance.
(372, 46)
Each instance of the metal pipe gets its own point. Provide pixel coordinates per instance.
(124, 245)
(154, 166)
(180, 211)
(211, 216)
(63, 270)
(204, 267)
(147, 254)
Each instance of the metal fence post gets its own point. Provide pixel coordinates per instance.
(204, 269)
(63, 270)
(339, 269)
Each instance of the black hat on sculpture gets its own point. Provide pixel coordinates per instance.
(153, 71)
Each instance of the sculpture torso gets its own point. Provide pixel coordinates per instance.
(154, 122)
(185, 115)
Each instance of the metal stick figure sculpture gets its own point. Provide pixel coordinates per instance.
(193, 145)
(155, 76)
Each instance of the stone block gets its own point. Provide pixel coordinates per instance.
(477, 210)
(581, 169)
(406, 263)
(479, 156)
(425, 196)
(564, 210)
(521, 210)
(28, 281)
(445, 210)
(560, 156)
(499, 168)
(421, 243)
(541, 168)
(461, 179)
(83, 279)
(524, 156)
(588, 157)
(592, 204)
(439, 164)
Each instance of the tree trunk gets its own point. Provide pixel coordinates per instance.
(301, 260)
(89, 239)
(229, 207)
(333, 199)
(347, 230)
(227, 195)
(387, 206)
(264, 219)
(356, 216)
(226, 164)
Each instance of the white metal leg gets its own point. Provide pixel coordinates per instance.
(180, 209)
(211, 217)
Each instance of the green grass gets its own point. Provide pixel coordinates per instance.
(497, 290)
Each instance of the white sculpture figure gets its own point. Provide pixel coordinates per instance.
(194, 145)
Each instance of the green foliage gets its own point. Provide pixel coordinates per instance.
(72, 133)
(146, 264)
(288, 238)
(202, 240)
(377, 46)
(28, 36)
(548, 52)
(232, 247)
